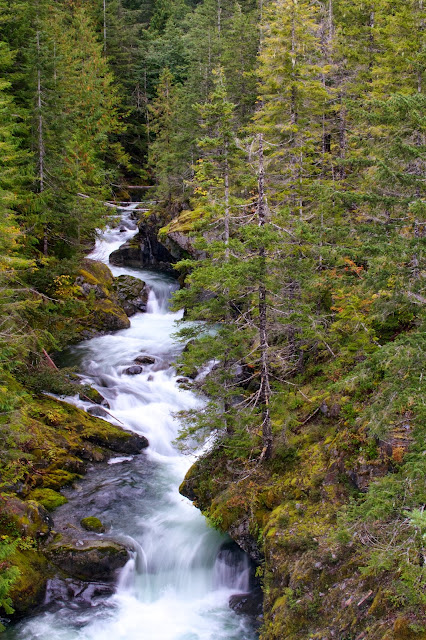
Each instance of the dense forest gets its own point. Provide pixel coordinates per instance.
(282, 147)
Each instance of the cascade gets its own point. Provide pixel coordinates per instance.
(178, 582)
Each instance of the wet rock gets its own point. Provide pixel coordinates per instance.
(248, 604)
(144, 251)
(131, 293)
(240, 532)
(98, 412)
(144, 359)
(79, 593)
(92, 524)
(126, 255)
(185, 383)
(94, 560)
(134, 370)
(94, 396)
(121, 442)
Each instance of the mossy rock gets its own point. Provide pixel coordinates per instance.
(94, 396)
(25, 518)
(96, 560)
(92, 524)
(132, 294)
(97, 273)
(29, 589)
(58, 478)
(107, 316)
(104, 434)
(48, 498)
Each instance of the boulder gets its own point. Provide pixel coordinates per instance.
(128, 254)
(134, 370)
(131, 293)
(144, 251)
(248, 604)
(185, 383)
(108, 316)
(92, 523)
(143, 359)
(29, 517)
(98, 412)
(94, 396)
(93, 560)
(120, 442)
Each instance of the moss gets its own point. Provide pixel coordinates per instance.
(97, 273)
(58, 478)
(48, 498)
(107, 315)
(29, 588)
(403, 630)
(183, 223)
(92, 524)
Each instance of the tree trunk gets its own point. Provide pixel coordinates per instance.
(41, 150)
(105, 28)
(226, 363)
(265, 389)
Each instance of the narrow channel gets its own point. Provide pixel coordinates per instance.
(179, 580)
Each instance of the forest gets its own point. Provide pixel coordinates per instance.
(281, 147)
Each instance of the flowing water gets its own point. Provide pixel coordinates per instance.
(178, 582)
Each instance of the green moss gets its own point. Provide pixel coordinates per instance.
(184, 223)
(107, 315)
(58, 478)
(49, 498)
(97, 273)
(29, 588)
(92, 524)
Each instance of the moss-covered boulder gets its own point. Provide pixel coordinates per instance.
(107, 316)
(95, 282)
(115, 439)
(131, 293)
(92, 524)
(27, 518)
(94, 560)
(30, 587)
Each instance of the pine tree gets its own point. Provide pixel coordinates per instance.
(165, 152)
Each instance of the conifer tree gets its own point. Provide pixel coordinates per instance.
(165, 152)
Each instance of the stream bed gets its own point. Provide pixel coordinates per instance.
(178, 582)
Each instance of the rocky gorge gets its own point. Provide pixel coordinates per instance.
(70, 519)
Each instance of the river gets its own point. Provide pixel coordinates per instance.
(178, 582)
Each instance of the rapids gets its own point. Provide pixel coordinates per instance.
(178, 582)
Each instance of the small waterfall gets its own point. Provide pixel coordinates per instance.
(158, 299)
(232, 569)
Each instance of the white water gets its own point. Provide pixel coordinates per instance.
(178, 582)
